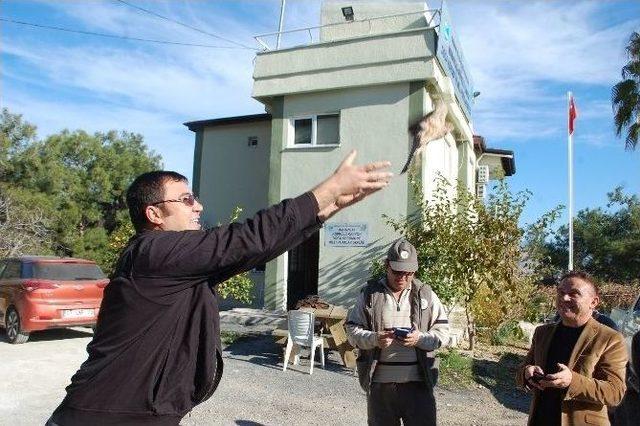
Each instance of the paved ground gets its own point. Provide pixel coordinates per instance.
(254, 390)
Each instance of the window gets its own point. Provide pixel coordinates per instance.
(317, 130)
(68, 271)
(302, 131)
(12, 270)
(328, 129)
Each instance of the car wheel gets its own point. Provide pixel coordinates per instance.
(15, 334)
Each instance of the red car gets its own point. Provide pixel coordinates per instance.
(39, 292)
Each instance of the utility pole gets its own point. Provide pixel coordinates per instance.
(281, 24)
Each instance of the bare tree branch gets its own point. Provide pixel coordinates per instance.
(22, 231)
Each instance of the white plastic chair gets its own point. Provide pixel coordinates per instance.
(301, 335)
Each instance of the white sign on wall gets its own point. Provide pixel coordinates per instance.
(346, 234)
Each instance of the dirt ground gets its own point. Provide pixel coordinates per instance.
(254, 389)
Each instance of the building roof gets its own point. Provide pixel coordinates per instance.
(194, 126)
(507, 156)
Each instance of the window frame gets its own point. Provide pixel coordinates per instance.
(314, 131)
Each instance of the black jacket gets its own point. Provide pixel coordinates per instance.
(157, 352)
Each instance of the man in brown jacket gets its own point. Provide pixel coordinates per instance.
(576, 367)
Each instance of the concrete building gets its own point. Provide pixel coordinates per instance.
(359, 84)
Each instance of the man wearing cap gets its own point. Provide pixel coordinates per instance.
(398, 372)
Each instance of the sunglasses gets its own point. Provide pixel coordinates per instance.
(401, 273)
(188, 200)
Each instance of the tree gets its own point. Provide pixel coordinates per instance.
(77, 180)
(14, 136)
(470, 253)
(22, 230)
(606, 241)
(625, 96)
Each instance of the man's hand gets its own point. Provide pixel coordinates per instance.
(349, 184)
(385, 339)
(529, 372)
(411, 339)
(561, 379)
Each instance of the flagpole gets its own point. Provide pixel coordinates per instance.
(570, 157)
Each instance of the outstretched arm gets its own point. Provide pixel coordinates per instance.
(349, 184)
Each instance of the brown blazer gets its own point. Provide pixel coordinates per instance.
(598, 364)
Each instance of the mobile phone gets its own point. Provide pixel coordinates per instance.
(537, 377)
(402, 332)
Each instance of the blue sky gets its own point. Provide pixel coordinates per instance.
(523, 56)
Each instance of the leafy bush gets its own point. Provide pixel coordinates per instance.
(117, 242)
(239, 287)
(470, 253)
(507, 333)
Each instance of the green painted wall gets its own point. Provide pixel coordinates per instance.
(373, 120)
(231, 173)
(197, 161)
(274, 273)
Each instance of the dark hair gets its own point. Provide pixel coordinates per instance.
(146, 189)
(584, 277)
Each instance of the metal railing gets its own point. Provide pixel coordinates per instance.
(312, 35)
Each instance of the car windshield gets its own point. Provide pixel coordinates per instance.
(67, 271)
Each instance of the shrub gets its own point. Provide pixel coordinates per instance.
(470, 253)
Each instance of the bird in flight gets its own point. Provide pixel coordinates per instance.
(430, 127)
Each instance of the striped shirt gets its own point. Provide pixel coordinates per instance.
(397, 363)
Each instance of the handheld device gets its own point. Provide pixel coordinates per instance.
(402, 332)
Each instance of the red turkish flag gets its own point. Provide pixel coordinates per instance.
(573, 114)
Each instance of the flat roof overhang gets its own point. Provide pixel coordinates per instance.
(194, 126)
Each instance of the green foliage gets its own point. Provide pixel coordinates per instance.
(456, 370)
(538, 260)
(507, 333)
(606, 241)
(378, 269)
(15, 135)
(229, 337)
(469, 252)
(541, 303)
(238, 287)
(117, 242)
(625, 96)
(77, 180)
(489, 367)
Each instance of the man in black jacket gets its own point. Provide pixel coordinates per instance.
(156, 352)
